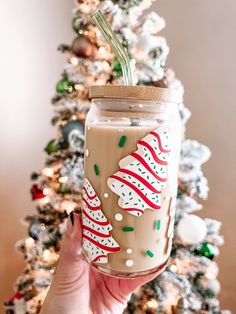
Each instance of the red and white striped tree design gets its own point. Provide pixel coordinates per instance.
(97, 240)
(143, 173)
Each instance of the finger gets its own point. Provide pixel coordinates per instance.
(69, 291)
(76, 221)
(71, 246)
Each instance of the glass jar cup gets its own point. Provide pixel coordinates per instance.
(132, 147)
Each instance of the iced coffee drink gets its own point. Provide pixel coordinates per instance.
(132, 146)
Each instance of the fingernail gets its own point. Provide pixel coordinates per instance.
(72, 218)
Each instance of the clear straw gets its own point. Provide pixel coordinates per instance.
(116, 46)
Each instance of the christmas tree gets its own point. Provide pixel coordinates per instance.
(147, 164)
(189, 284)
(97, 241)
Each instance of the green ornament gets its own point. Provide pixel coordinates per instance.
(34, 176)
(64, 188)
(75, 24)
(207, 250)
(78, 24)
(64, 86)
(117, 67)
(52, 147)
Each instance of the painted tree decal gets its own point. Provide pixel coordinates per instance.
(143, 173)
(97, 240)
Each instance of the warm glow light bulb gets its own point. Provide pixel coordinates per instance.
(152, 304)
(63, 179)
(29, 242)
(48, 172)
(46, 255)
(46, 191)
(173, 268)
(44, 201)
(74, 61)
(102, 52)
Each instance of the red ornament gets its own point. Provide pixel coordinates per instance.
(82, 47)
(16, 296)
(36, 192)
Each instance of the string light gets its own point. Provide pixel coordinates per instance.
(70, 89)
(29, 242)
(46, 255)
(63, 179)
(44, 201)
(48, 172)
(152, 304)
(74, 61)
(102, 52)
(76, 86)
(173, 268)
(46, 191)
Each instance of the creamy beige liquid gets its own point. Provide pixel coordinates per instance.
(102, 149)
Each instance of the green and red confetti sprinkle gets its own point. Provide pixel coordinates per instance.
(122, 141)
(158, 224)
(149, 253)
(128, 229)
(96, 169)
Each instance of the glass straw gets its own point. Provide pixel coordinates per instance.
(116, 46)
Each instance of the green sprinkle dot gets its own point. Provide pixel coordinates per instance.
(122, 141)
(158, 224)
(96, 169)
(128, 229)
(149, 253)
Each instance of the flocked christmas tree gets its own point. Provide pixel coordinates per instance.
(189, 284)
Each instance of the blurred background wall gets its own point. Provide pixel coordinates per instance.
(201, 34)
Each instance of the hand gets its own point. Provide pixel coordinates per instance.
(78, 288)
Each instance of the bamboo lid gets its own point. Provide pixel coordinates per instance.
(136, 92)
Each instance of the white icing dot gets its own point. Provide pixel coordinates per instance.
(129, 262)
(120, 130)
(106, 195)
(87, 153)
(118, 217)
(89, 127)
(129, 251)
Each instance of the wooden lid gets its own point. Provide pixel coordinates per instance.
(136, 92)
